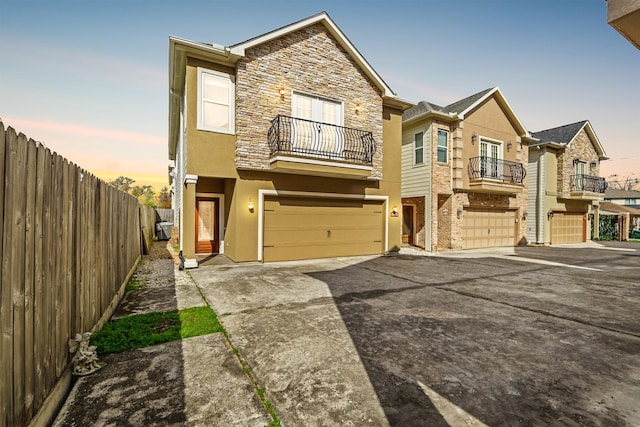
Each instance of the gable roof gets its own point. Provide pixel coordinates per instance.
(457, 110)
(179, 48)
(462, 106)
(324, 19)
(616, 193)
(613, 207)
(564, 135)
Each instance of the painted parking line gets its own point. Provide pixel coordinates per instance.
(544, 262)
(452, 413)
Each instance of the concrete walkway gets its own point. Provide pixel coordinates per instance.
(197, 381)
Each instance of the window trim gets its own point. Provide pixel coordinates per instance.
(416, 148)
(438, 147)
(316, 99)
(497, 142)
(231, 102)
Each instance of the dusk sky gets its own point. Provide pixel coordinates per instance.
(90, 78)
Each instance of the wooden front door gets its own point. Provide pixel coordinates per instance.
(207, 238)
(407, 224)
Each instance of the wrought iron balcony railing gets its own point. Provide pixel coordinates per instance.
(301, 137)
(594, 184)
(496, 169)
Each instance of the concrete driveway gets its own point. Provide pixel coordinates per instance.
(531, 336)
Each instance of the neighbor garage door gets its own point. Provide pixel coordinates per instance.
(484, 228)
(303, 228)
(567, 227)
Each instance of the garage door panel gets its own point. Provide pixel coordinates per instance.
(485, 228)
(568, 227)
(297, 228)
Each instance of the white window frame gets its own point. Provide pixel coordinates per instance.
(500, 145)
(316, 110)
(416, 148)
(438, 146)
(231, 101)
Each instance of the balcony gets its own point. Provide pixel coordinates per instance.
(301, 146)
(587, 187)
(491, 175)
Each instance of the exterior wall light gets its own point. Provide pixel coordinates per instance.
(524, 215)
(281, 91)
(250, 205)
(394, 211)
(474, 138)
(509, 145)
(358, 108)
(459, 213)
(590, 216)
(549, 215)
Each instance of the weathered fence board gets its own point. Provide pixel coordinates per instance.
(6, 344)
(29, 280)
(68, 242)
(39, 305)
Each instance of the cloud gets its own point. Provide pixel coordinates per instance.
(38, 127)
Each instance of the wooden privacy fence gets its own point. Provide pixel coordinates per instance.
(69, 242)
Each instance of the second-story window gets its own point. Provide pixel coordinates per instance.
(443, 146)
(418, 148)
(216, 94)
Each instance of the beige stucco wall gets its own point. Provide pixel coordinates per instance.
(310, 61)
(208, 153)
(392, 135)
(490, 121)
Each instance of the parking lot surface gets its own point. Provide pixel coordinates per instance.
(531, 336)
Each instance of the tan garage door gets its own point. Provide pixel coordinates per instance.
(567, 227)
(484, 228)
(304, 228)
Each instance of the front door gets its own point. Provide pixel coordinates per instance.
(207, 239)
(407, 224)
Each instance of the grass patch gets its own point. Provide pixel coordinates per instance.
(143, 330)
(135, 284)
(176, 248)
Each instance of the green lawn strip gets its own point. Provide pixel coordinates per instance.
(142, 330)
(134, 284)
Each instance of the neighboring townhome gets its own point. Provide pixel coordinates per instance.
(285, 146)
(623, 197)
(463, 174)
(565, 188)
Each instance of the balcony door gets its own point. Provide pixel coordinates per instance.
(580, 169)
(320, 131)
(489, 160)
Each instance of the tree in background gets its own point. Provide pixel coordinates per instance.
(629, 183)
(122, 183)
(144, 193)
(164, 198)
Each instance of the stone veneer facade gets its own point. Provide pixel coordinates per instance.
(580, 148)
(311, 61)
